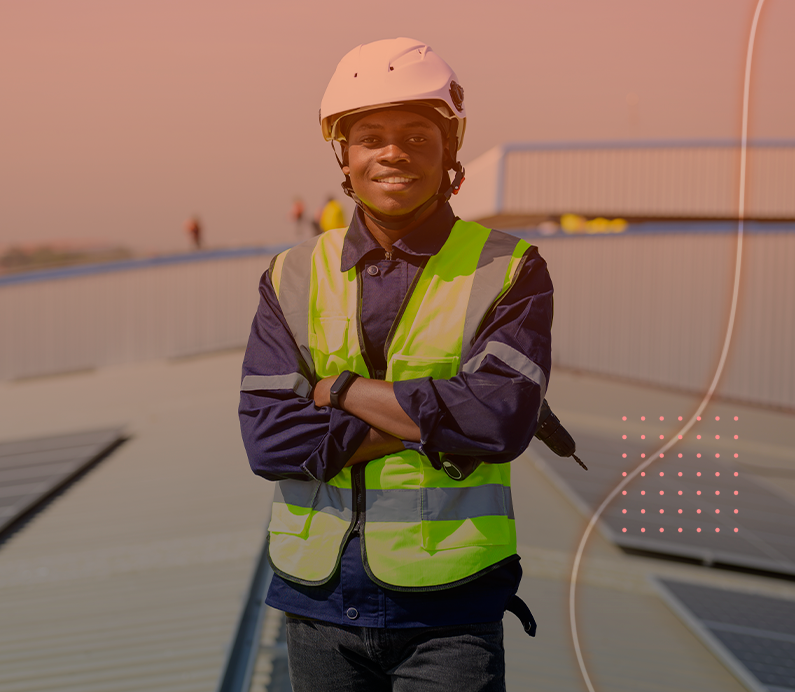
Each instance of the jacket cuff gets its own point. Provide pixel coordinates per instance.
(345, 434)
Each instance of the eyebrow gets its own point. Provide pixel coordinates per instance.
(416, 123)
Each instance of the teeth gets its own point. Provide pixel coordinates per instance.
(395, 180)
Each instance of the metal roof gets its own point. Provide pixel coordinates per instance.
(133, 579)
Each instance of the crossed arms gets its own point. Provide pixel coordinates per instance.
(489, 412)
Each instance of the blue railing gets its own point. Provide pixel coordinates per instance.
(139, 263)
(650, 227)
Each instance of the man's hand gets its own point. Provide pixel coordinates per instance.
(374, 402)
(322, 393)
(376, 444)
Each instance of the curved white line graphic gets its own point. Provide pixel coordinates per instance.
(718, 372)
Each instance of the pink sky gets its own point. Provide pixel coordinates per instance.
(120, 119)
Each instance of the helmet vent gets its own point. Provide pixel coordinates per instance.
(457, 95)
(355, 74)
(391, 69)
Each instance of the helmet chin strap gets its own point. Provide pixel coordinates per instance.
(402, 221)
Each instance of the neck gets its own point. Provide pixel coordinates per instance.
(386, 237)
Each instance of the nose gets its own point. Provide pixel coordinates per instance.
(392, 153)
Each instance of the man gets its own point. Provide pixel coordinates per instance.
(385, 361)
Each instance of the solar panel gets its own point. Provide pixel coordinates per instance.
(753, 635)
(33, 470)
(698, 505)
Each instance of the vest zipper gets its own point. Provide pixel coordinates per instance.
(357, 473)
(360, 333)
(357, 489)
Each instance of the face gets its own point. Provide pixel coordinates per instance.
(394, 159)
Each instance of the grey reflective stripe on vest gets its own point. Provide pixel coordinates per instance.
(262, 383)
(514, 359)
(294, 295)
(487, 284)
(321, 497)
(439, 504)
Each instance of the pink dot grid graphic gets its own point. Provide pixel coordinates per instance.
(703, 500)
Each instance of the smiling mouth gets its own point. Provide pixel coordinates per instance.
(393, 179)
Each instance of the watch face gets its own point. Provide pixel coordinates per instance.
(342, 382)
(340, 385)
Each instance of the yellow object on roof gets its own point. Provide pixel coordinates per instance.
(333, 216)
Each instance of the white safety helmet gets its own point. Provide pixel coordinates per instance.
(388, 73)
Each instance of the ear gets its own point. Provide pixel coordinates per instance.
(450, 152)
(448, 161)
(346, 169)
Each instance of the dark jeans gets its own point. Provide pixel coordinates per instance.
(462, 658)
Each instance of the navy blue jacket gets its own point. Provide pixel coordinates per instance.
(490, 413)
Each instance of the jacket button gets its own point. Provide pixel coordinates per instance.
(372, 270)
(352, 613)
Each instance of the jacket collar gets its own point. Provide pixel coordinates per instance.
(425, 240)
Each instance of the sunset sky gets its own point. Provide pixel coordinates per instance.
(120, 119)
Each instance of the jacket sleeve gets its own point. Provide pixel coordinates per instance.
(490, 409)
(284, 433)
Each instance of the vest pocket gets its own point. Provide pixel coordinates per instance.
(465, 517)
(293, 502)
(410, 367)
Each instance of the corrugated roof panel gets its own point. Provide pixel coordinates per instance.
(655, 308)
(657, 179)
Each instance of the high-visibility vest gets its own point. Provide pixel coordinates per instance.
(420, 529)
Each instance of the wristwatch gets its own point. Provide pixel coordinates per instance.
(340, 386)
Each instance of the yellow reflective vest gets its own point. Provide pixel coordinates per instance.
(420, 529)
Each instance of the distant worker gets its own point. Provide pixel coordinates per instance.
(332, 216)
(297, 214)
(194, 230)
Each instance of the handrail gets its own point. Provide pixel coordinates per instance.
(66, 272)
(239, 666)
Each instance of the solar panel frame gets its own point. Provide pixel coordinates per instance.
(33, 470)
(733, 644)
(765, 518)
